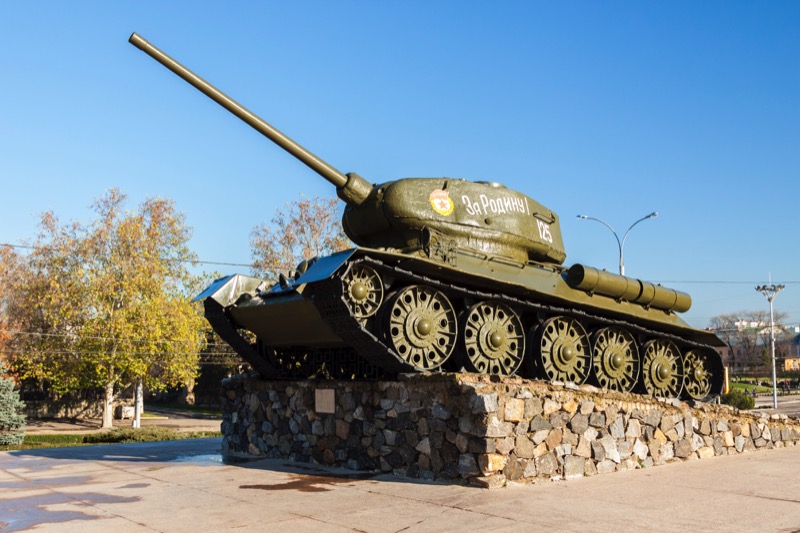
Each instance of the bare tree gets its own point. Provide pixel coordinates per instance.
(303, 229)
(747, 334)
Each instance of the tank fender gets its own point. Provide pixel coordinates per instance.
(646, 294)
(225, 291)
(324, 267)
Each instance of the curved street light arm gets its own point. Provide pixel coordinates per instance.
(620, 244)
(654, 214)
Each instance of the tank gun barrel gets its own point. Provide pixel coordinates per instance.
(350, 187)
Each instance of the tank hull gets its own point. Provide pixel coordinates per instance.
(470, 312)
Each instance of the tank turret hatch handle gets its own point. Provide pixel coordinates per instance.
(549, 218)
(351, 188)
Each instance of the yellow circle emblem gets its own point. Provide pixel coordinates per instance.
(441, 202)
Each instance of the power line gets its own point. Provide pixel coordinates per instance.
(198, 262)
(111, 339)
(223, 263)
(202, 360)
(720, 282)
(88, 352)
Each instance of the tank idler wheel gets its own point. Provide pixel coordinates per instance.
(699, 374)
(363, 290)
(616, 359)
(662, 369)
(494, 339)
(564, 350)
(421, 326)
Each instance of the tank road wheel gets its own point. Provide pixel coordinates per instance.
(701, 378)
(616, 359)
(662, 369)
(564, 349)
(494, 339)
(363, 291)
(421, 326)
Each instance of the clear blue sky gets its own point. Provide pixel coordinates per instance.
(610, 109)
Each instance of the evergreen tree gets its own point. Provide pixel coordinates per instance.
(12, 418)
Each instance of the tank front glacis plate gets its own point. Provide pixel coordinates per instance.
(279, 316)
(487, 218)
(285, 318)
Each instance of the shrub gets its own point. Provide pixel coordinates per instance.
(739, 399)
(12, 417)
(120, 435)
(52, 439)
(145, 434)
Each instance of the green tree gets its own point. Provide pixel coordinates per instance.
(12, 417)
(105, 304)
(8, 261)
(303, 229)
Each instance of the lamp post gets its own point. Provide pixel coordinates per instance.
(620, 244)
(770, 292)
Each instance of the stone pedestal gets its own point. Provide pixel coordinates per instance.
(483, 430)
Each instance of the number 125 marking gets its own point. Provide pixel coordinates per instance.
(544, 231)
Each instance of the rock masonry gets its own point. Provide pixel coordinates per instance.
(482, 430)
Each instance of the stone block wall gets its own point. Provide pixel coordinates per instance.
(63, 409)
(482, 430)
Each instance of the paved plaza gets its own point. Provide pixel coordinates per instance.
(185, 486)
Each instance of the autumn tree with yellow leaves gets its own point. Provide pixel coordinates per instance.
(9, 266)
(106, 304)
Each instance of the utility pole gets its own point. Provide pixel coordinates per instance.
(770, 292)
(620, 243)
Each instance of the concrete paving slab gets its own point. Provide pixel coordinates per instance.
(185, 486)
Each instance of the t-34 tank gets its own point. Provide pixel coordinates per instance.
(454, 275)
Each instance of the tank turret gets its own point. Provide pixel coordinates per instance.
(414, 213)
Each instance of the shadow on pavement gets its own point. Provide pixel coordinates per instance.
(164, 451)
(306, 477)
(37, 512)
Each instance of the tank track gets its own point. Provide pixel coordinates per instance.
(330, 301)
(368, 357)
(322, 363)
(334, 289)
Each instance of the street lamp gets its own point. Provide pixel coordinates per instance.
(620, 244)
(770, 292)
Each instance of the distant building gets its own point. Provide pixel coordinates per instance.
(747, 347)
(792, 363)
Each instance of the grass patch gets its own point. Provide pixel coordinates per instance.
(113, 436)
(55, 440)
(748, 387)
